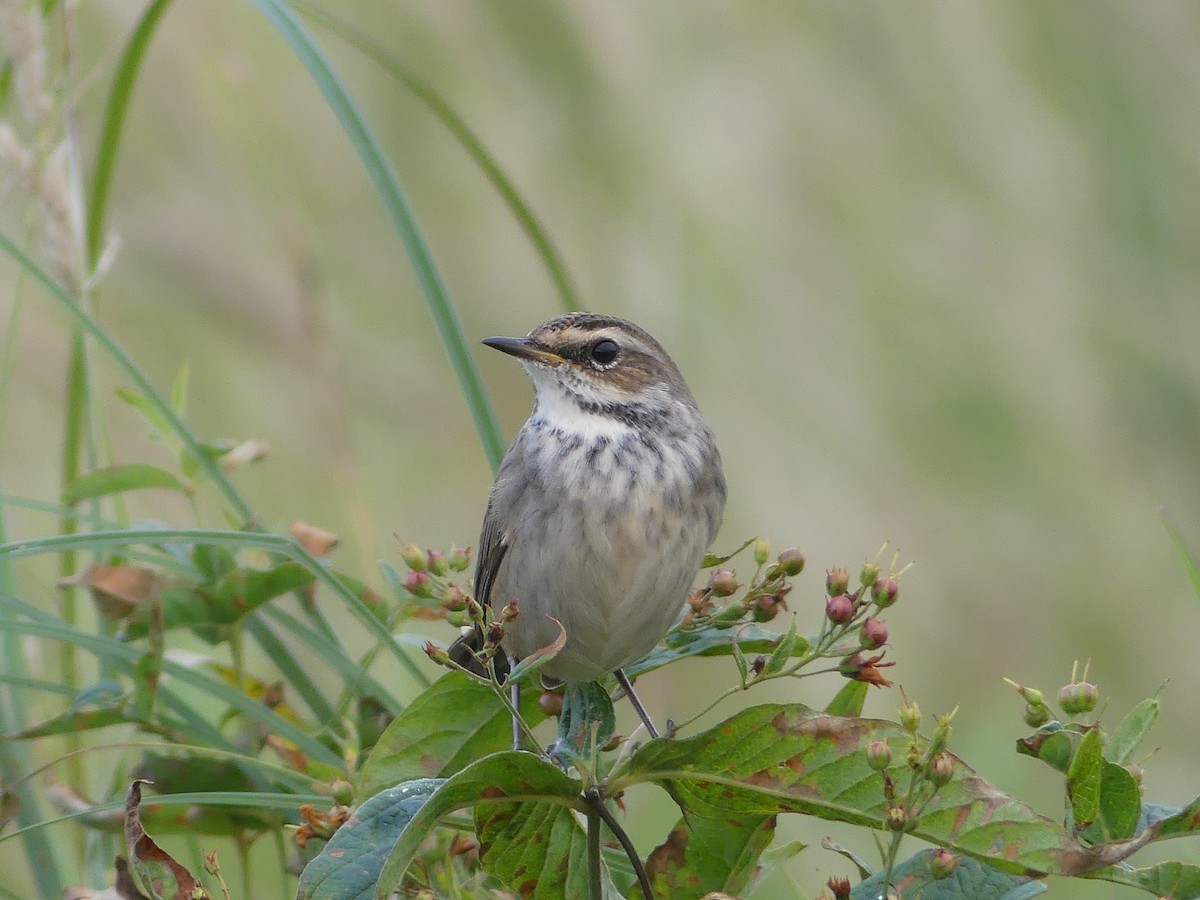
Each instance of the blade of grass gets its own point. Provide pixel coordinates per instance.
(44, 856)
(396, 204)
(1189, 561)
(113, 123)
(470, 142)
(109, 649)
(284, 545)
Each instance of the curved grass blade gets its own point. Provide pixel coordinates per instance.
(470, 142)
(388, 188)
(114, 121)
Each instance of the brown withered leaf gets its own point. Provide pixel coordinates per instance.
(316, 541)
(151, 860)
(117, 590)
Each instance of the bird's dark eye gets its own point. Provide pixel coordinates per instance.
(604, 352)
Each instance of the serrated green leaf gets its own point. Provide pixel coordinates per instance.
(781, 758)
(118, 479)
(425, 741)
(970, 880)
(1084, 777)
(849, 700)
(701, 855)
(1133, 729)
(349, 865)
(500, 778)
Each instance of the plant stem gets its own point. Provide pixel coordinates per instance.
(595, 888)
(595, 797)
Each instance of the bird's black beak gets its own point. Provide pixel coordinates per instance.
(525, 349)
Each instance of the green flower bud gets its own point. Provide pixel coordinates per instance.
(436, 653)
(342, 791)
(910, 716)
(474, 611)
(762, 551)
(941, 769)
(454, 600)
(1036, 714)
(436, 561)
(879, 755)
(767, 606)
(413, 556)
(1078, 698)
(791, 561)
(897, 818)
(459, 558)
(942, 863)
(868, 574)
(836, 581)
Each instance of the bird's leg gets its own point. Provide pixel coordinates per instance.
(627, 687)
(515, 693)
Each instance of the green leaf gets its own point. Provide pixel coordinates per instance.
(349, 865)
(970, 880)
(713, 559)
(537, 849)
(426, 741)
(1053, 744)
(213, 561)
(77, 721)
(788, 758)
(703, 854)
(1120, 806)
(785, 650)
(501, 778)
(712, 641)
(1189, 561)
(118, 479)
(1084, 777)
(1183, 822)
(1132, 731)
(1170, 880)
(849, 700)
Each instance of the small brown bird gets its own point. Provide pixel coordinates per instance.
(604, 504)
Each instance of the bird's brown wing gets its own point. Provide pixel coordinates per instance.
(492, 546)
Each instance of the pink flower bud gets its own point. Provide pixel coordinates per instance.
(551, 703)
(454, 600)
(436, 560)
(724, 583)
(874, 633)
(417, 584)
(436, 653)
(879, 755)
(839, 609)
(941, 769)
(884, 592)
(459, 558)
(768, 606)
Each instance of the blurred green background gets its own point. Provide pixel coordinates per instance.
(931, 270)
